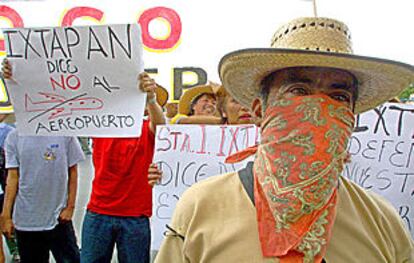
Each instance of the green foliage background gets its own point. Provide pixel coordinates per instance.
(405, 95)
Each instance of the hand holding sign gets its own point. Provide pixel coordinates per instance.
(148, 85)
(154, 174)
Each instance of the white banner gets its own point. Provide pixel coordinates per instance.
(382, 150)
(188, 154)
(76, 80)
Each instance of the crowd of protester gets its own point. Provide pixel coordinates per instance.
(37, 221)
(41, 185)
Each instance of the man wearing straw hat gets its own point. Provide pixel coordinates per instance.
(291, 204)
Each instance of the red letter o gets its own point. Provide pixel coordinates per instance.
(173, 19)
(14, 18)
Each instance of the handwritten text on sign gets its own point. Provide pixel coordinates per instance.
(76, 80)
(382, 150)
(188, 154)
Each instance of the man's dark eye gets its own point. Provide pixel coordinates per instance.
(341, 97)
(299, 90)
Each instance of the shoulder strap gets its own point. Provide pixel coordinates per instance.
(246, 177)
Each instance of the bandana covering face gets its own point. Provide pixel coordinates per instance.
(296, 171)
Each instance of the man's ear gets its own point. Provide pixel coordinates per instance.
(257, 108)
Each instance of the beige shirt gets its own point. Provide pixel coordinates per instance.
(218, 222)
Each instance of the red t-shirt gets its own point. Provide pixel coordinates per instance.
(120, 186)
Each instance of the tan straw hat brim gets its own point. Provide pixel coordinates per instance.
(6, 110)
(379, 80)
(162, 95)
(184, 106)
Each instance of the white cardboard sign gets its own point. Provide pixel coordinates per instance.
(188, 154)
(76, 80)
(382, 150)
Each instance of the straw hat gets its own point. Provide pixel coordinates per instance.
(5, 107)
(6, 110)
(317, 42)
(184, 106)
(162, 95)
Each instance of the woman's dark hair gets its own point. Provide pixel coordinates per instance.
(196, 99)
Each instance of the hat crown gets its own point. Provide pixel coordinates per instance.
(314, 33)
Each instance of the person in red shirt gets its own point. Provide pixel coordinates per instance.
(121, 200)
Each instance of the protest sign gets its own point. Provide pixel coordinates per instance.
(381, 147)
(76, 80)
(382, 150)
(188, 154)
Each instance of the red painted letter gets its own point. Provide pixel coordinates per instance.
(15, 20)
(81, 11)
(172, 18)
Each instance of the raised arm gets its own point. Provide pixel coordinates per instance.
(148, 85)
(201, 120)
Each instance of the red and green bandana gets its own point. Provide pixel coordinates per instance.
(296, 171)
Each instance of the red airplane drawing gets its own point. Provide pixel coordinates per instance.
(60, 106)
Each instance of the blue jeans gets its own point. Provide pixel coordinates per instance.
(132, 236)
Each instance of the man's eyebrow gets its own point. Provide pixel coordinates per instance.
(292, 78)
(342, 85)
